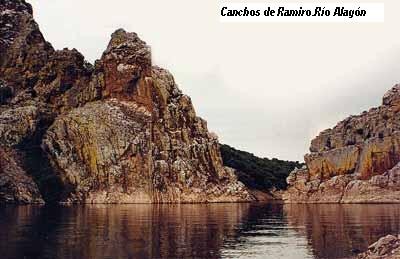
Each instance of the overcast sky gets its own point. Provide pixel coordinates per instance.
(264, 88)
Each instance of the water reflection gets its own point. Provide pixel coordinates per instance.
(193, 231)
(130, 231)
(264, 233)
(339, 231)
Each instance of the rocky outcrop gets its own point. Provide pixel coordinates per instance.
(355, 162)
(387, 247)
(117, 132)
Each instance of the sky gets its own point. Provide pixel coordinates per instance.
(266, 88)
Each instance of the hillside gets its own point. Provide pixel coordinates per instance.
(255, 172)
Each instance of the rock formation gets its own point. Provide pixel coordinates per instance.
(117, 132)
(387, 247)
(355, 162)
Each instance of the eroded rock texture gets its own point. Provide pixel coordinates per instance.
(15, 185)
(117, 132)
(355, 162)
(387, 247)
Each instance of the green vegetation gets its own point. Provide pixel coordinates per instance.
(258, 173)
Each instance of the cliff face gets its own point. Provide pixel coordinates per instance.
(356, 161)
(117, 132)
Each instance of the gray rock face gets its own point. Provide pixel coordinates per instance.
(15, 185)
(17, 124)
(102, 149)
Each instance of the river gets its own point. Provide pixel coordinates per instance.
(241, 230)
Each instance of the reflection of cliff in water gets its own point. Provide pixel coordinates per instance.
(335, 230)
(194, 230)
(127, 231)
(264, 233)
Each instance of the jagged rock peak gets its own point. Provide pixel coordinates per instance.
(392, 97)
(13, 14)
(121, 38)
(126, 64)
(127, 46)
(12, 6)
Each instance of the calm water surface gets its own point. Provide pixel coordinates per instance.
(194, 231)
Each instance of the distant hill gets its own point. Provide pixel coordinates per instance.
(255, 172)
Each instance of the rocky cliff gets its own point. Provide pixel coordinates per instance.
(118, 131)
(355, 162)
